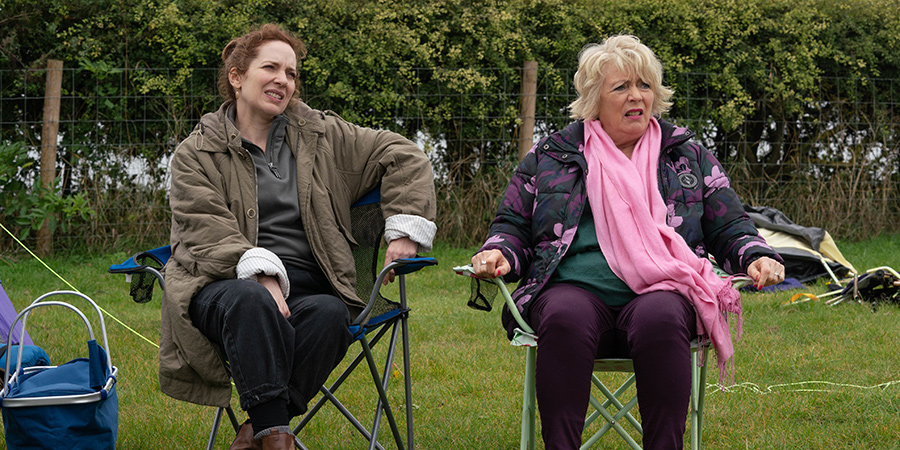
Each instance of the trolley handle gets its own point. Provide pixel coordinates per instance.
(42, 301)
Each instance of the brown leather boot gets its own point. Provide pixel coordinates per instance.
(244, 439)
(278, 441)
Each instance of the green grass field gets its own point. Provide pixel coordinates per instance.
(807, 375)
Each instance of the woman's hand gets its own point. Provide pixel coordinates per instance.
(490, 264)
(398, 249)
(765, 271)
(274, 288)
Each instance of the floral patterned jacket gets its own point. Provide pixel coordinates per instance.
(542, 206)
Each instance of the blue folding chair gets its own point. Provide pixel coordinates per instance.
(380, 316)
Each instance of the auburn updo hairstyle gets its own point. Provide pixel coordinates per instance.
(238, 54)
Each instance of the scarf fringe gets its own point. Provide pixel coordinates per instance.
(729, 300)
(730, 305)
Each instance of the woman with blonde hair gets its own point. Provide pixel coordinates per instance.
(608, 224)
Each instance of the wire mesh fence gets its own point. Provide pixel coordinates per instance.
(827, 158)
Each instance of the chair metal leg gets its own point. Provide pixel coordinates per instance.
(329, 391)
(698, 395)
(397, 325)
(529, 400)
(299, 445)
(328, 396)
(612, 398)
(407, 385)
(379, 405)
(234, 422)
(217, 420)
(614, 421)
(382, 392)
(700, 403)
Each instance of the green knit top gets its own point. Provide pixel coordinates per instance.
(585, 266)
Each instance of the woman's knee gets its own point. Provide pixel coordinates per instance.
(324, 319)
(229, 304)
(662, 308)
(334, 310)
(325, 310)
(660, 316)
(567, 308)
(245, 299)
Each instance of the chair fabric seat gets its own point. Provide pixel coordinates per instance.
(613, 365)
(359, 330)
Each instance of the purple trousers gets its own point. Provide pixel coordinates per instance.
(575, 326)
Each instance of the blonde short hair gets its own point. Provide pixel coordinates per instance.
(630, 56)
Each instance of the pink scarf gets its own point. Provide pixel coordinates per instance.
(641, 248)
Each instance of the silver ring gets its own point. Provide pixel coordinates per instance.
(483, 262)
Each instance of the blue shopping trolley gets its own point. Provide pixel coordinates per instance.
(73, 405)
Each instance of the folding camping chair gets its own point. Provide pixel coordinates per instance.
(380, 316)
(611, 409)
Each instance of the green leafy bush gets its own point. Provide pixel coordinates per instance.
(795, 97)
(25, 207)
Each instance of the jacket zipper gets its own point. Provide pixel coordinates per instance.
(274, 170)
(271, 163)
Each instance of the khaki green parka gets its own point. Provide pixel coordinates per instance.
(214, 220)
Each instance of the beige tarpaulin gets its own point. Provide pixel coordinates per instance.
(808, 252)
(828, 251)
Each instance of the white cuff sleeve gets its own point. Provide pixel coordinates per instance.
(257, 261)
(417, 228)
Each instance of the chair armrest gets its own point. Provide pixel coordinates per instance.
(404, 266)
(159, 256)
(469, 271)
(401, 267)
(143, 264)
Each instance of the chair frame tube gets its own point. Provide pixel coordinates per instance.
(527, 440)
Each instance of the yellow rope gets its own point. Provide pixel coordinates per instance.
(800, 386)
(73, 287)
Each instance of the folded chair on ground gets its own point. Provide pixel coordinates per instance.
(613, 409)
(380, 317)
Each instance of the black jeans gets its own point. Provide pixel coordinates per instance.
(271, 357)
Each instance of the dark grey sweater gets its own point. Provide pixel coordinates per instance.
(280, 226)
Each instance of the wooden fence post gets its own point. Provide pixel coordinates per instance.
(526, 107)
(49, 135)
